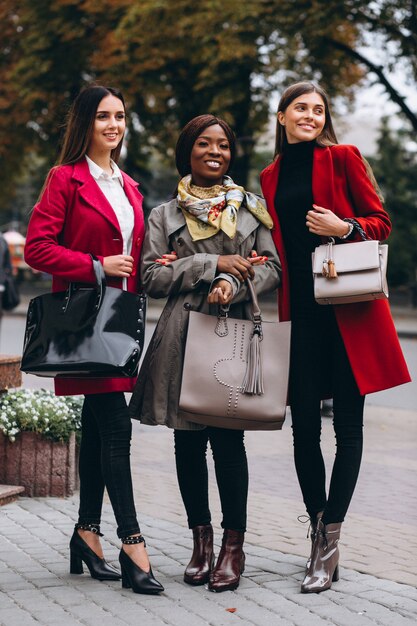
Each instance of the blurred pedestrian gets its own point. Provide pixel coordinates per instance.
(89, 207)
(208, 231)
(315, 189)
(5, 268)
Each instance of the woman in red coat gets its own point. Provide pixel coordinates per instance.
(88, 206)
(315, 189)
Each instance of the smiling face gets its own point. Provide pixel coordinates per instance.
(304, 118)
(109, 126)
(210, 157)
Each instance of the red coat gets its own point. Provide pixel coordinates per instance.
(72, 219)
(341, 184)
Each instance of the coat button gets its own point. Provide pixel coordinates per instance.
(138, 240)
(187, 306)
(180, 241)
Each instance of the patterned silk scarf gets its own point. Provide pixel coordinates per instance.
(205, 216)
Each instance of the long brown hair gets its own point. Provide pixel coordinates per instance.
(80, 123)
(327, 136)
(79, 128)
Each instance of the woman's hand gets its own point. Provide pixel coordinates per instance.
(255, 259)
(120, 265)
(166, 259)
(222, 292)
(236, 265)
(325, 223)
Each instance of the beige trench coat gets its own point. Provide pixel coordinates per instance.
(186, 283)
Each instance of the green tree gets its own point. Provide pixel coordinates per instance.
(177, 58)
(395, 168)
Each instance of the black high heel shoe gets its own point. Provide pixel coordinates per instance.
(80, 551)
(133, 577)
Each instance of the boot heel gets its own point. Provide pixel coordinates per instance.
(76, 564)
(336, 574)
(125, 581)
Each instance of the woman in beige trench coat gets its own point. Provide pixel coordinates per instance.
(211, 228)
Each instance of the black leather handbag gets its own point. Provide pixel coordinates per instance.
(85, 331)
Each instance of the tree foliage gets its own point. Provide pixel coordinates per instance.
(176, 58)
(396, 171)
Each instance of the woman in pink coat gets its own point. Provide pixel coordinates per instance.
(316, 189)
(88, 206)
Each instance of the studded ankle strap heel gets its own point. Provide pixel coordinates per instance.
(81, 552)
(133, 540)
(133, 576)
(93, 528)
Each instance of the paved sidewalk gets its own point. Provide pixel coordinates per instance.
(378, 544)
(36, 588)
(379, 535)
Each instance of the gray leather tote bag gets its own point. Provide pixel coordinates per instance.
(236, 371)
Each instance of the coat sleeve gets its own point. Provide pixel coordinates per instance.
(370, 213)
(183, 275)
(267, 276)
(43, 249)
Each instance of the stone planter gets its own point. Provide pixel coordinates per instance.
(43, 467)
(10, 374)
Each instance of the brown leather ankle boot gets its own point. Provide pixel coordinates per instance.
(324, 566)
(230, 564)
(198, 569)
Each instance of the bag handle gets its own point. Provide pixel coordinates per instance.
(100, 286)
(252, 383)
(256, 310)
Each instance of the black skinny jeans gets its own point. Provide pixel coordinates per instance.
(231, 468)
(105, 461)
(317, 350)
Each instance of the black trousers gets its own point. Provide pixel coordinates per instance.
(231, 468)
(318, 356)
(105, 461)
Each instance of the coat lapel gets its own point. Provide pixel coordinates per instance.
(135, 198)
(269, 182)
(91, 193)
(323, 184)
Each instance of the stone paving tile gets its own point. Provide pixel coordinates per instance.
(378, 536)
(269, 594)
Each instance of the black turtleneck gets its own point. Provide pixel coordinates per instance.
(294, 197)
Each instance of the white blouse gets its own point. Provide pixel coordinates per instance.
(113, 188)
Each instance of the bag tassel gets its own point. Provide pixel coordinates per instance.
(253, 383)
(332, 269)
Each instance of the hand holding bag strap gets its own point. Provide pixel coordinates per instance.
(253, 380)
